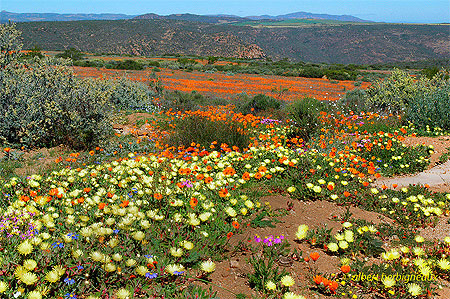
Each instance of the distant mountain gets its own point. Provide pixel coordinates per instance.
(6, 16)
(220, 19)
(212, 19)
(307, 15)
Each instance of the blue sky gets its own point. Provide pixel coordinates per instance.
(412, 11)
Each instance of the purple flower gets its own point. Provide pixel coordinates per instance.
(152, 275)
(257, 239)
(69, 281)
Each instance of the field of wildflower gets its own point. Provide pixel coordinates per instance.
(159, 212)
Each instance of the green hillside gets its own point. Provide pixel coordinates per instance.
(335, 43)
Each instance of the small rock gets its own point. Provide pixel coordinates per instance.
(234, 263)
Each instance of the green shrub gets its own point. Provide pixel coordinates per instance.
(127, 94)
(305, 116)
(183, 101)
(394, 93)
(353, 100)
(204, 131)
(10, 44)
(71, 53)
(432, 109)
(47, 105)
(259, 103)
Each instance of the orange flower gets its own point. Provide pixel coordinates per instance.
(124, 203)
(101, 205)
(87, 189)
(314, 256)
(223, 192)
(235, 224)
(53, 192)
(193, 202)
(81, 200)
(394, 185)
(346, 194)
(345, 268)
(318, 279)
(246, 176)
(24, 198)
(229, 171)
(158, 196)
(365, 184)
(229, 235)
(7, 149)
(332, 286)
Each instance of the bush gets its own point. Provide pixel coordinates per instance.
(183, 101)
(127, 94)
(10, 45)
(260, 103)
(47, 106)
(71, 53)
(354, 100)
(394, 93)
(204, 131)
(431, 110)
(305, 116)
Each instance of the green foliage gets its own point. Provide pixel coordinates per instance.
(202, 130)
(127, 94)
(10, 44)
(71, 53)
(304, 114)
(127, 64)
(431, 109)
(260, 103)
(263, 219)
(353, 100)
(394, 93)
(47, 106)
(264, 264)
(34, 52)
(183, 101)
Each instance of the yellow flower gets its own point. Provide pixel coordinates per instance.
(3, 287)
(287, 281)
(291, 189)
(208, 266)
(270, 285)
(130, 262)
(59, 269)
(109, 267)
(138, 236)
(34, 295)
(302, 232)
(117, 257)
(52, 276)
(343, 244)
(122, 293)
(176, 252)
(333, 247)
(141, 270)
(29, 278)
(388, 281)
(30, 264)
(25, 248)
(414, 289)
(419, 239)
(97, 256)
(443, 264)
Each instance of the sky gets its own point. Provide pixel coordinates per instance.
(408, 11)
